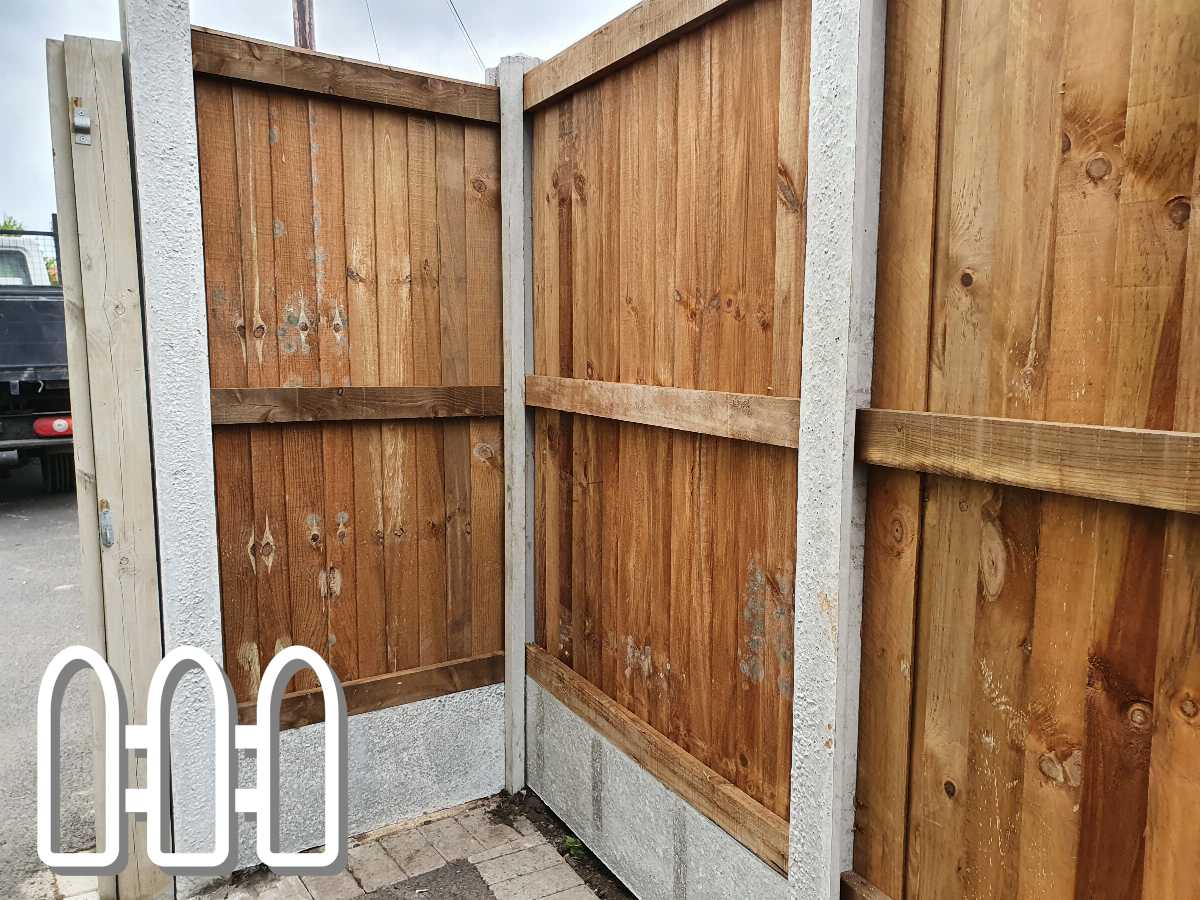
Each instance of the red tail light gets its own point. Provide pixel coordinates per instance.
(52, 427)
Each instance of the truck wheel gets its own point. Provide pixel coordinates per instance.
(58, 472)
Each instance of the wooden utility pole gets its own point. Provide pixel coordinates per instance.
(302, 24)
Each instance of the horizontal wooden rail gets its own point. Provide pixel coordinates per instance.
(384, 691)
(743, 417)
(744, 818)
(248, 406)
(855, 887)
(632, 34)
(1159, 469)
(234, 56)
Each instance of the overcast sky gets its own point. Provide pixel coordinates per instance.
(413, 34)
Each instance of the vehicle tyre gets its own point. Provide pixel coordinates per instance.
(58, 472)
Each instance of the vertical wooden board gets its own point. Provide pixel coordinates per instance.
(1174, 789)
(1027, 167)
(564, 429)
(546, 309)
(329, 239)
(292, 227)
(946, 791)
(237, 552)
(604, 337)
(217, 153)
(256, 222)
(338, 583)
(427, 368)
(362, 319)
(661, 123)
(252, 138)
(482, 155)
(722, 368)
(219, 197)
(455, 369)
(1159, 149)
(1095, 78)
(630, 498)
(395, 325)
(299, 365)
(689, 641)
(586, 262)
(908, 183)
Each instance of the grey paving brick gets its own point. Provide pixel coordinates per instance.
(521, 863)
(341, 886)
(451, 840)
(490, 833)
(287, 888)
(521, 843)
(372, 867)
(537, 885)
(413, 852)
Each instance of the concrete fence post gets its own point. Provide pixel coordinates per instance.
(516, 205)
(845, 131)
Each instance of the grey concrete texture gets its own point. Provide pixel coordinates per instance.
(41, 608)
(655, 842)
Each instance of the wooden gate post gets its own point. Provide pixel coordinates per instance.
(845, 131)
(103, 301)
(516, 236)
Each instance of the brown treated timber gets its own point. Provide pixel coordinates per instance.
(855, 887)
(344, 404)
(744, 818)
(744, 417)
(384, 691)
(632, 34)
(1142, 467)
(233, 56)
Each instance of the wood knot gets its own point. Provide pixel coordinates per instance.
(967, 278)
(1188, 708)
(337, 327)
(479, 185)
(1098, 168)
(950, 788)
(1140, 716)
(1179, 210)
(1066, 142)
(260, 330)
(241, 329)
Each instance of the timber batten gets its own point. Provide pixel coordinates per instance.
(262, 62)
(1138, 466)
(742, 417)
(384, 691)
(245, 406)
(758, 829)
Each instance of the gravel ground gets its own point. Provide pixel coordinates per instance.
(41, 613)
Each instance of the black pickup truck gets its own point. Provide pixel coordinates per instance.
(35, 401)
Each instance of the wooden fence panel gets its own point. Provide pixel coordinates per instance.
(1047, 685)
(664, 194)
(354, 246)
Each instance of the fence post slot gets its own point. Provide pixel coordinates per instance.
(845, 129)
(516, 210)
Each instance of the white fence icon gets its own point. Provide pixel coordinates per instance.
(262, 739)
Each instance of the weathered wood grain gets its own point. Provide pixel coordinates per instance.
(855, 887)
(744, 417)
(635, 33)
(1138, 466)
(241, 406)
(261, 62)
(748, 821)
(383, 691)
